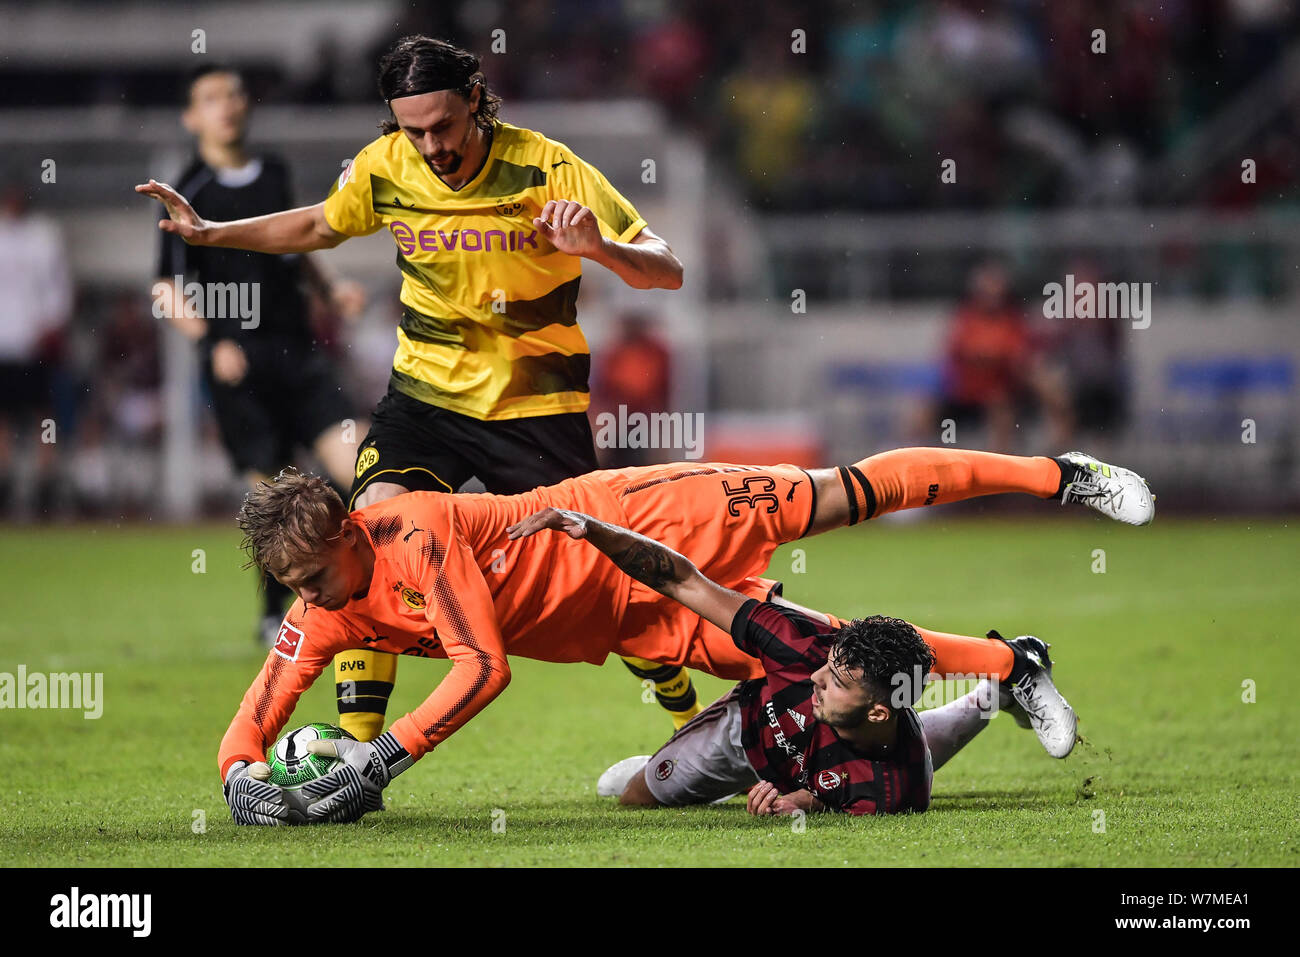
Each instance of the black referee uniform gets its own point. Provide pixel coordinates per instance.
(291, 392)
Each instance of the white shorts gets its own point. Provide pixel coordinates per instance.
(704, 761)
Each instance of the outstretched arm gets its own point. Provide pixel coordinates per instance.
(652, 564)
(300, 230)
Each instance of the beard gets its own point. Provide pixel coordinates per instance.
(450, 166)
(848, 720)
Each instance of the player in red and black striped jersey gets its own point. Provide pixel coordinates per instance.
(809, 724)
(830, 726)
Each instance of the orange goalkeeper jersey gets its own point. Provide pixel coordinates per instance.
(449, 584)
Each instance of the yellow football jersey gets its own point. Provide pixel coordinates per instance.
(489, 322)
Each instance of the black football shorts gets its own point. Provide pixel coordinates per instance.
(281, 404)
(426, 448)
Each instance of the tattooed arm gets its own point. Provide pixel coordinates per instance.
(655, 565)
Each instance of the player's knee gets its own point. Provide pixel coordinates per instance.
(637, 793)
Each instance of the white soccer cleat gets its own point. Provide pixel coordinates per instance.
(1036, 703)
(614, 781)
(1117, 493)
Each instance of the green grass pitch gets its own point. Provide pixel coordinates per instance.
(1176, 769)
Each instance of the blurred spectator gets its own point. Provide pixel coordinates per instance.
(1084, 374)
(634, 371)
(130, 372)
(773, 108)
(34, 310)
(855, 120)
(987, 370)
(670, 57)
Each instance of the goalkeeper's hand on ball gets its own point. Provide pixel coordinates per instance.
(357, 785)
(254, 800)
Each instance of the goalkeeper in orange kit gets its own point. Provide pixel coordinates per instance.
(436, 575)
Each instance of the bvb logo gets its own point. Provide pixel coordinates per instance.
(367, 459)
(412, 598)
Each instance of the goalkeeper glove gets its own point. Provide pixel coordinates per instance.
(253, 800)
(357, 786)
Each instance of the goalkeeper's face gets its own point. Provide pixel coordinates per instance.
(337, 572)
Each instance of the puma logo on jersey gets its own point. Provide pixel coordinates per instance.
(562, 162)
(789, 496)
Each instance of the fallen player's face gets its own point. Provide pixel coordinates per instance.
(439, 125)
(839, 698)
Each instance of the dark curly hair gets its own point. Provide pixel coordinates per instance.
(419, 64)
(292, 516)
(889, 652)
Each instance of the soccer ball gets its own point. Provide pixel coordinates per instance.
(292, 765)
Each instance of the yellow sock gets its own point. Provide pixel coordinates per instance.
(673, 688)
(363, 681)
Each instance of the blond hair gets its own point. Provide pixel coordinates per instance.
(290, 517)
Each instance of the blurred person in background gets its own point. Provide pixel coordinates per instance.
(635, 373)
(988, 375)
(1085, 377)
(773, 108)
(34, 309)
(128, 389)
(271, 389)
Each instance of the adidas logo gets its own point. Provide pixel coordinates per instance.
(798, 718)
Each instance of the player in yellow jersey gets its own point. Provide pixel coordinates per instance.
(491, 224)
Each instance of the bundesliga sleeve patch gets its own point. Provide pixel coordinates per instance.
(346, 176)
(289, 641)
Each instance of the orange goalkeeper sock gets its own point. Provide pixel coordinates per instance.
(913, 478)
(959, 654)
(964, 655)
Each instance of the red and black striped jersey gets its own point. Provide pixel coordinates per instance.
(789, 747)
